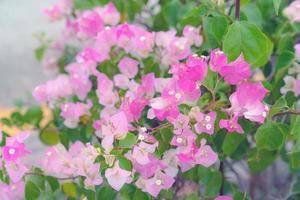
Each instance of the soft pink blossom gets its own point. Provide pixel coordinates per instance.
(117, 176)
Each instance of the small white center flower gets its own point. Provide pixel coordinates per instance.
(171, 92)
(195, 55)
(208, 126)
(141, 137)
(66, 107)
(179, 140)
(267, 108)
(75, 76)
(207, 118)
(49, 153)
(264, 114)
(11, 151)
(158, 182)
(144, 129)
(177, 96)
(142, 38)
(219, 53)
(107, 28)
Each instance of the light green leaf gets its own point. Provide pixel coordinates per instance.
(69, 189)
(244, 37)
(128, 141)
(276, 4)
(279, 105)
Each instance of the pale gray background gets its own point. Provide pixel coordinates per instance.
(19, 71)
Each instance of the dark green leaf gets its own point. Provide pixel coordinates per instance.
(269, 136)
(259, 160)
(232, 142)
(32, 192)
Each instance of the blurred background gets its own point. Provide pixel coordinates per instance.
(20, 72)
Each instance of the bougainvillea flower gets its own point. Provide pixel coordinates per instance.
(247, 101)
(128, 67)
(117, 176)
(205, 155)
(235, 72)
(218, 59)
(205, 122)
(231, 125)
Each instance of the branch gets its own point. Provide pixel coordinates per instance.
(292, 112)
(237, 9)
(222, 170)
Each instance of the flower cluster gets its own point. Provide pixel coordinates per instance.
(131, 101)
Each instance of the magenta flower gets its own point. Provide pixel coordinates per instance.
(14, 150)
(218, 59)
(235, 72)
(90, 23)
(231, 125)
(247, 101)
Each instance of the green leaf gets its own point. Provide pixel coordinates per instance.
(214, 29)
(33, 115)
(106, 193)
(232, 142)
(252, 14)
(193, 17)
(279, 105)
(192, 196)
(69, 189)
(295, 125)
(125, 163)
(259, 160)
(276, 4)
(138, 195)
(171, 12)
(53, 182)
(284, 59)
(50, 136)
(214, 183)
(269, 136)
(128, 141)
(32, 192)
(295, 155)
(39, 52)
(244, 37)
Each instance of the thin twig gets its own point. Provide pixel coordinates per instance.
(237, 9)
(292, 112)
(222, 170)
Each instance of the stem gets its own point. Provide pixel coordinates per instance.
(292, 112)
(221, 169)
(237, 9)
